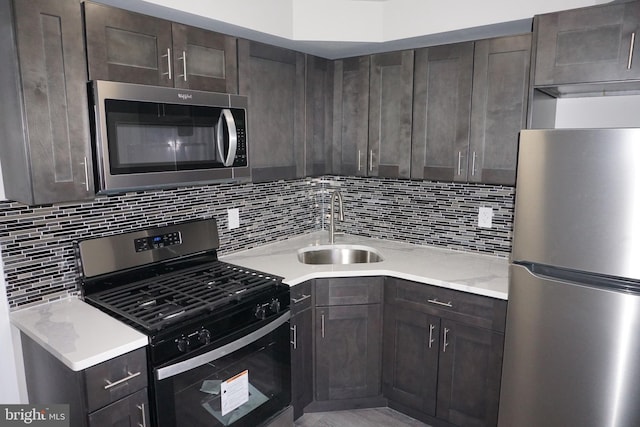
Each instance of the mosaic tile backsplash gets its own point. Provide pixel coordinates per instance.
(37, 241)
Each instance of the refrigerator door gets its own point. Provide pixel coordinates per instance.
(571, 355)
(578, 200)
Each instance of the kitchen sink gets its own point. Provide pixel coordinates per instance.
(338, 254)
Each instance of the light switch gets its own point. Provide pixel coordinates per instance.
(234, 218)
(485, 215)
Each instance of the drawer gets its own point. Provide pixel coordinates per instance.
(349, 291)
(116, 378)
(460, 306)
(301, 297)
(133, 410)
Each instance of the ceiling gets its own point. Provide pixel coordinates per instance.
(343, 28)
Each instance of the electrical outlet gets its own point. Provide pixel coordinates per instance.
(234, 218)
(485, 216)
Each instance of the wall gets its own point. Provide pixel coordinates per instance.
(598, 112)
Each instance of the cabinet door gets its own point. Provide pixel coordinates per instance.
(348, 351)
(499, 107)
(441, 108)
(319, 116)
(50, 152)
(410, 358)
(390, 104)
(127, 47)
(132, 411)
(301, 361)
(273, 79)
(351, 116)
(204, 60)
(469, 375)
(592, 44)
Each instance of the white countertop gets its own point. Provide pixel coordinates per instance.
(479, 274)
(78, 334)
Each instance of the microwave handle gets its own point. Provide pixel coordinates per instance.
(233, 137)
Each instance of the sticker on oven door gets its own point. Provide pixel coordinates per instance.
(234, 392)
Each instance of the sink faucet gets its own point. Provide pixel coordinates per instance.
(332, 226)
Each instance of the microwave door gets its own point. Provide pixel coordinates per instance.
(229, 145)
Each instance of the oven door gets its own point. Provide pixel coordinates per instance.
(241, 381)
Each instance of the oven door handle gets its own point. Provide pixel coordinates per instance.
(194, 362)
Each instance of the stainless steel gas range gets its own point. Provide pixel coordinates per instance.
(218, 350)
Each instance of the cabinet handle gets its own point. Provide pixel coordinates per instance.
(322, 325)
(631, 45)
(446, 342)
(144, 415)
(294, 329)
(168, 55)
(435, 301)
(431, 340)
(459, 162)
(304, 297)
(473, 164)
(86, 175)
(370, 160)
(184, 65)
(120, 381)
(359, 161)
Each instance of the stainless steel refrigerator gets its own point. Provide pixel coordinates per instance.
(572, 344)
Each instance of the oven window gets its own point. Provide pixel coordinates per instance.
(151, 137)
(243, 388)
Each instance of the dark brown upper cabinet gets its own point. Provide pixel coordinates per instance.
(44, 122)
(134, 48)
(588, 45)
(274, 80)
(390, 96)
(498, 108)
(441, 107)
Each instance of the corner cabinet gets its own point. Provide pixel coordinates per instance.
(134, 48)
(442, 357)
(111, 393)
(319, 116)
(274, 80)
(588, 45)
(46, 156)
(348, 319)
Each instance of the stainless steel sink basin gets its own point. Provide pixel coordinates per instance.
(338, 254)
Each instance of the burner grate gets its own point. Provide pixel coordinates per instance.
(160, 301)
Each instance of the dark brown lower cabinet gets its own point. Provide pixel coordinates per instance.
(442, 371)
(301, 348)
(348, 351)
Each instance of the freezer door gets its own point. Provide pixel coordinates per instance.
(571, 355)
(578, 200)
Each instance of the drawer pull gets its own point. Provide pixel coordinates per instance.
(120, 381)
(435, 301)
(144, 415)
(304, 297)
(431, 340)
(631, 46)
(294, 329)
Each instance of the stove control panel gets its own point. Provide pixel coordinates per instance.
(193, 340)
(261, 311)
(159, 241)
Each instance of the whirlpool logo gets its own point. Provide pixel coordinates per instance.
(34, 415)
(185, 96)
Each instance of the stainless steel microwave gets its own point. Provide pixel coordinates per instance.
(155, 137)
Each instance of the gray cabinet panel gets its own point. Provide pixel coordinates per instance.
(47, 134)
(273, 79)
(441, 108)
(319, 116)
(351, 116)
(499, 107)
(301, 361)
(390, 104)
(592, 44)
(132, 411)
(126, 46)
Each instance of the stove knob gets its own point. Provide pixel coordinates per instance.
(274, 306)
(204, 336)
(183, 343)
(260, 312)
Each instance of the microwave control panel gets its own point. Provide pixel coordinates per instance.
(160, 241)
(241, 150)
